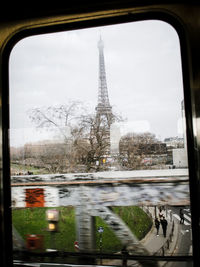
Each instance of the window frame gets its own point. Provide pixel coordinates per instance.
(93, 20)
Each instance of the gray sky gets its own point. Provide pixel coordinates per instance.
(143, 68)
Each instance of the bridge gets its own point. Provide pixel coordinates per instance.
(92, 194)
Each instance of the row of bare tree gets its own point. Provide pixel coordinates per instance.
(84, 141)
(84, 138)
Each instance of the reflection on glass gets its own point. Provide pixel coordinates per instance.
(98, 146)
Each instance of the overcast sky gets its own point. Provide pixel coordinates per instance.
(143, 68)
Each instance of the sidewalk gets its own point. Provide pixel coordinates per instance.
(161, 245)
(153, 243)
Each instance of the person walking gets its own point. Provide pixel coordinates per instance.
(161, 213)
(181, 216)
(164, 224)
(157, 225)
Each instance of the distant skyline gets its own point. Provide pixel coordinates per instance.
(143, 69)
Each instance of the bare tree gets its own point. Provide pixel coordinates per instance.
(96, 130)
(89, 138)
(56, 117)
(62, 119)
(135, 147)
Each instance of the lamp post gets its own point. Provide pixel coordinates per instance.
(52, 217)
(100, 231)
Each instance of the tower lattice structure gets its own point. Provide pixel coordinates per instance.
(104, 115)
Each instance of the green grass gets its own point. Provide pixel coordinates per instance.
(136, 219)
(110, 242)
(20, 168)
(33, 221)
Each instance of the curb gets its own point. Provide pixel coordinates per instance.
(146, 210)
(143, 240)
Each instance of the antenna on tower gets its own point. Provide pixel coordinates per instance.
(100, 42)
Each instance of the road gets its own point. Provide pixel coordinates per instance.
(184, 243)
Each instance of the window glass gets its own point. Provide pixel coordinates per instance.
(98, 145)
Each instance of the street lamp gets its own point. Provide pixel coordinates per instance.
(52, 217)
(52, 227)
(100, 231)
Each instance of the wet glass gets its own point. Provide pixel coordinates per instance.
(98, 145)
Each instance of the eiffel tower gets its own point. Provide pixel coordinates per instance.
(104, 113)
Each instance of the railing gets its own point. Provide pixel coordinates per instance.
(58, 256)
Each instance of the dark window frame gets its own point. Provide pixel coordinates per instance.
(128, 16)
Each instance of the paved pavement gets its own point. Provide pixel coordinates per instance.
(158, 244)
(154, 243)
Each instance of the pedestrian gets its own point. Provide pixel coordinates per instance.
(160, 213)
(181, 216)
(164, 224)
(157, 225)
